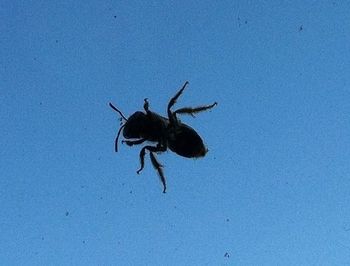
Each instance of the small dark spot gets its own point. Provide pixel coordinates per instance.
(40, 103)
(246, 22)
(99, 158)
(42, 238)
(106, 212)
(67, 213)
(115, 16)
(82, 186)
(83, 241)
(227, 220)
(301, 28)
(34, 58)
(227, 255)
(101, 197)
(56, 41)
(130, 192)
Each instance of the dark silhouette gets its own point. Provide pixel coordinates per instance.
(166, 132)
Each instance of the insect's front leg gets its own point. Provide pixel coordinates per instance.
(133, 142)
(146, 105)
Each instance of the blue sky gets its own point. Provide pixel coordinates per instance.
(274, 187)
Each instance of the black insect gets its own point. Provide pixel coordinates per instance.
(165, 132)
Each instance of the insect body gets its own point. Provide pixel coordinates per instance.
(164, 132)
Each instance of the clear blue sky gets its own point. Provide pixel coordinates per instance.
(274, 188)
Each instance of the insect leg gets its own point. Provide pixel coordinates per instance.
(177, 95)
(158, 167)
(146, 105)
(142, 159)
(171, 116)
(191, 111)
(133, 142)
(155, 163)
(158, 148)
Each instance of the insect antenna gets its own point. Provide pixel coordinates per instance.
(116, 140)
(119, 112)
(120, 129)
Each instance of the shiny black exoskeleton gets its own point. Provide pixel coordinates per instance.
(166, 132)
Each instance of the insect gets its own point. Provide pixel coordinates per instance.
(163, 132)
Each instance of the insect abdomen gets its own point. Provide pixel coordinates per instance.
(187, 143)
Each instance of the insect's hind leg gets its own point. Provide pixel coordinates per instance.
(191, 111)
